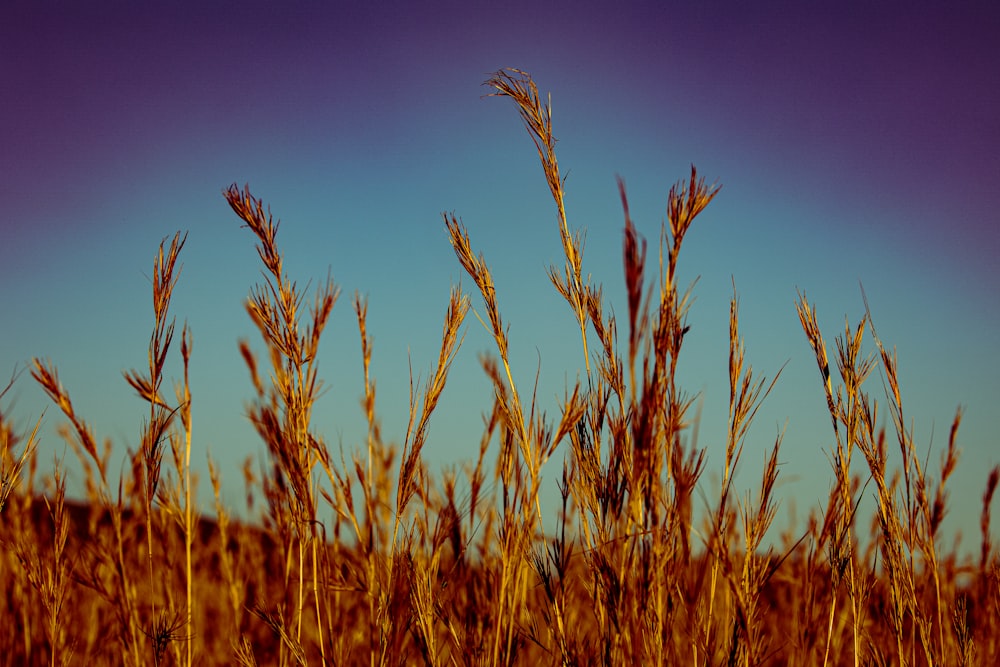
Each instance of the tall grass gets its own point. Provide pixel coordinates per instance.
(368, 556)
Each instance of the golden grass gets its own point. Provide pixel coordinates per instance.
(367, 557)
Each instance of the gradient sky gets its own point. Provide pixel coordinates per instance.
(854, 145)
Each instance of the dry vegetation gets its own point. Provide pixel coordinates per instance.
(368, 557)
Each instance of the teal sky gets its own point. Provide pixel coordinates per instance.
(854, 145)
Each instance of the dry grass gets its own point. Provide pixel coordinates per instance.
(368, 557)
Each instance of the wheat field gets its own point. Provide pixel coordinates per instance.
(368, 556)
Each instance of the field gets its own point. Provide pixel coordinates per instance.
(370, 557)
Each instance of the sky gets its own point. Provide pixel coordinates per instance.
(855, 145)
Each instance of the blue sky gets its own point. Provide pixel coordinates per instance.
(854, 145)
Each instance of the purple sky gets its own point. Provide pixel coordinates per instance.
(853, 145)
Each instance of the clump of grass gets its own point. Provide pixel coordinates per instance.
(368, 556)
